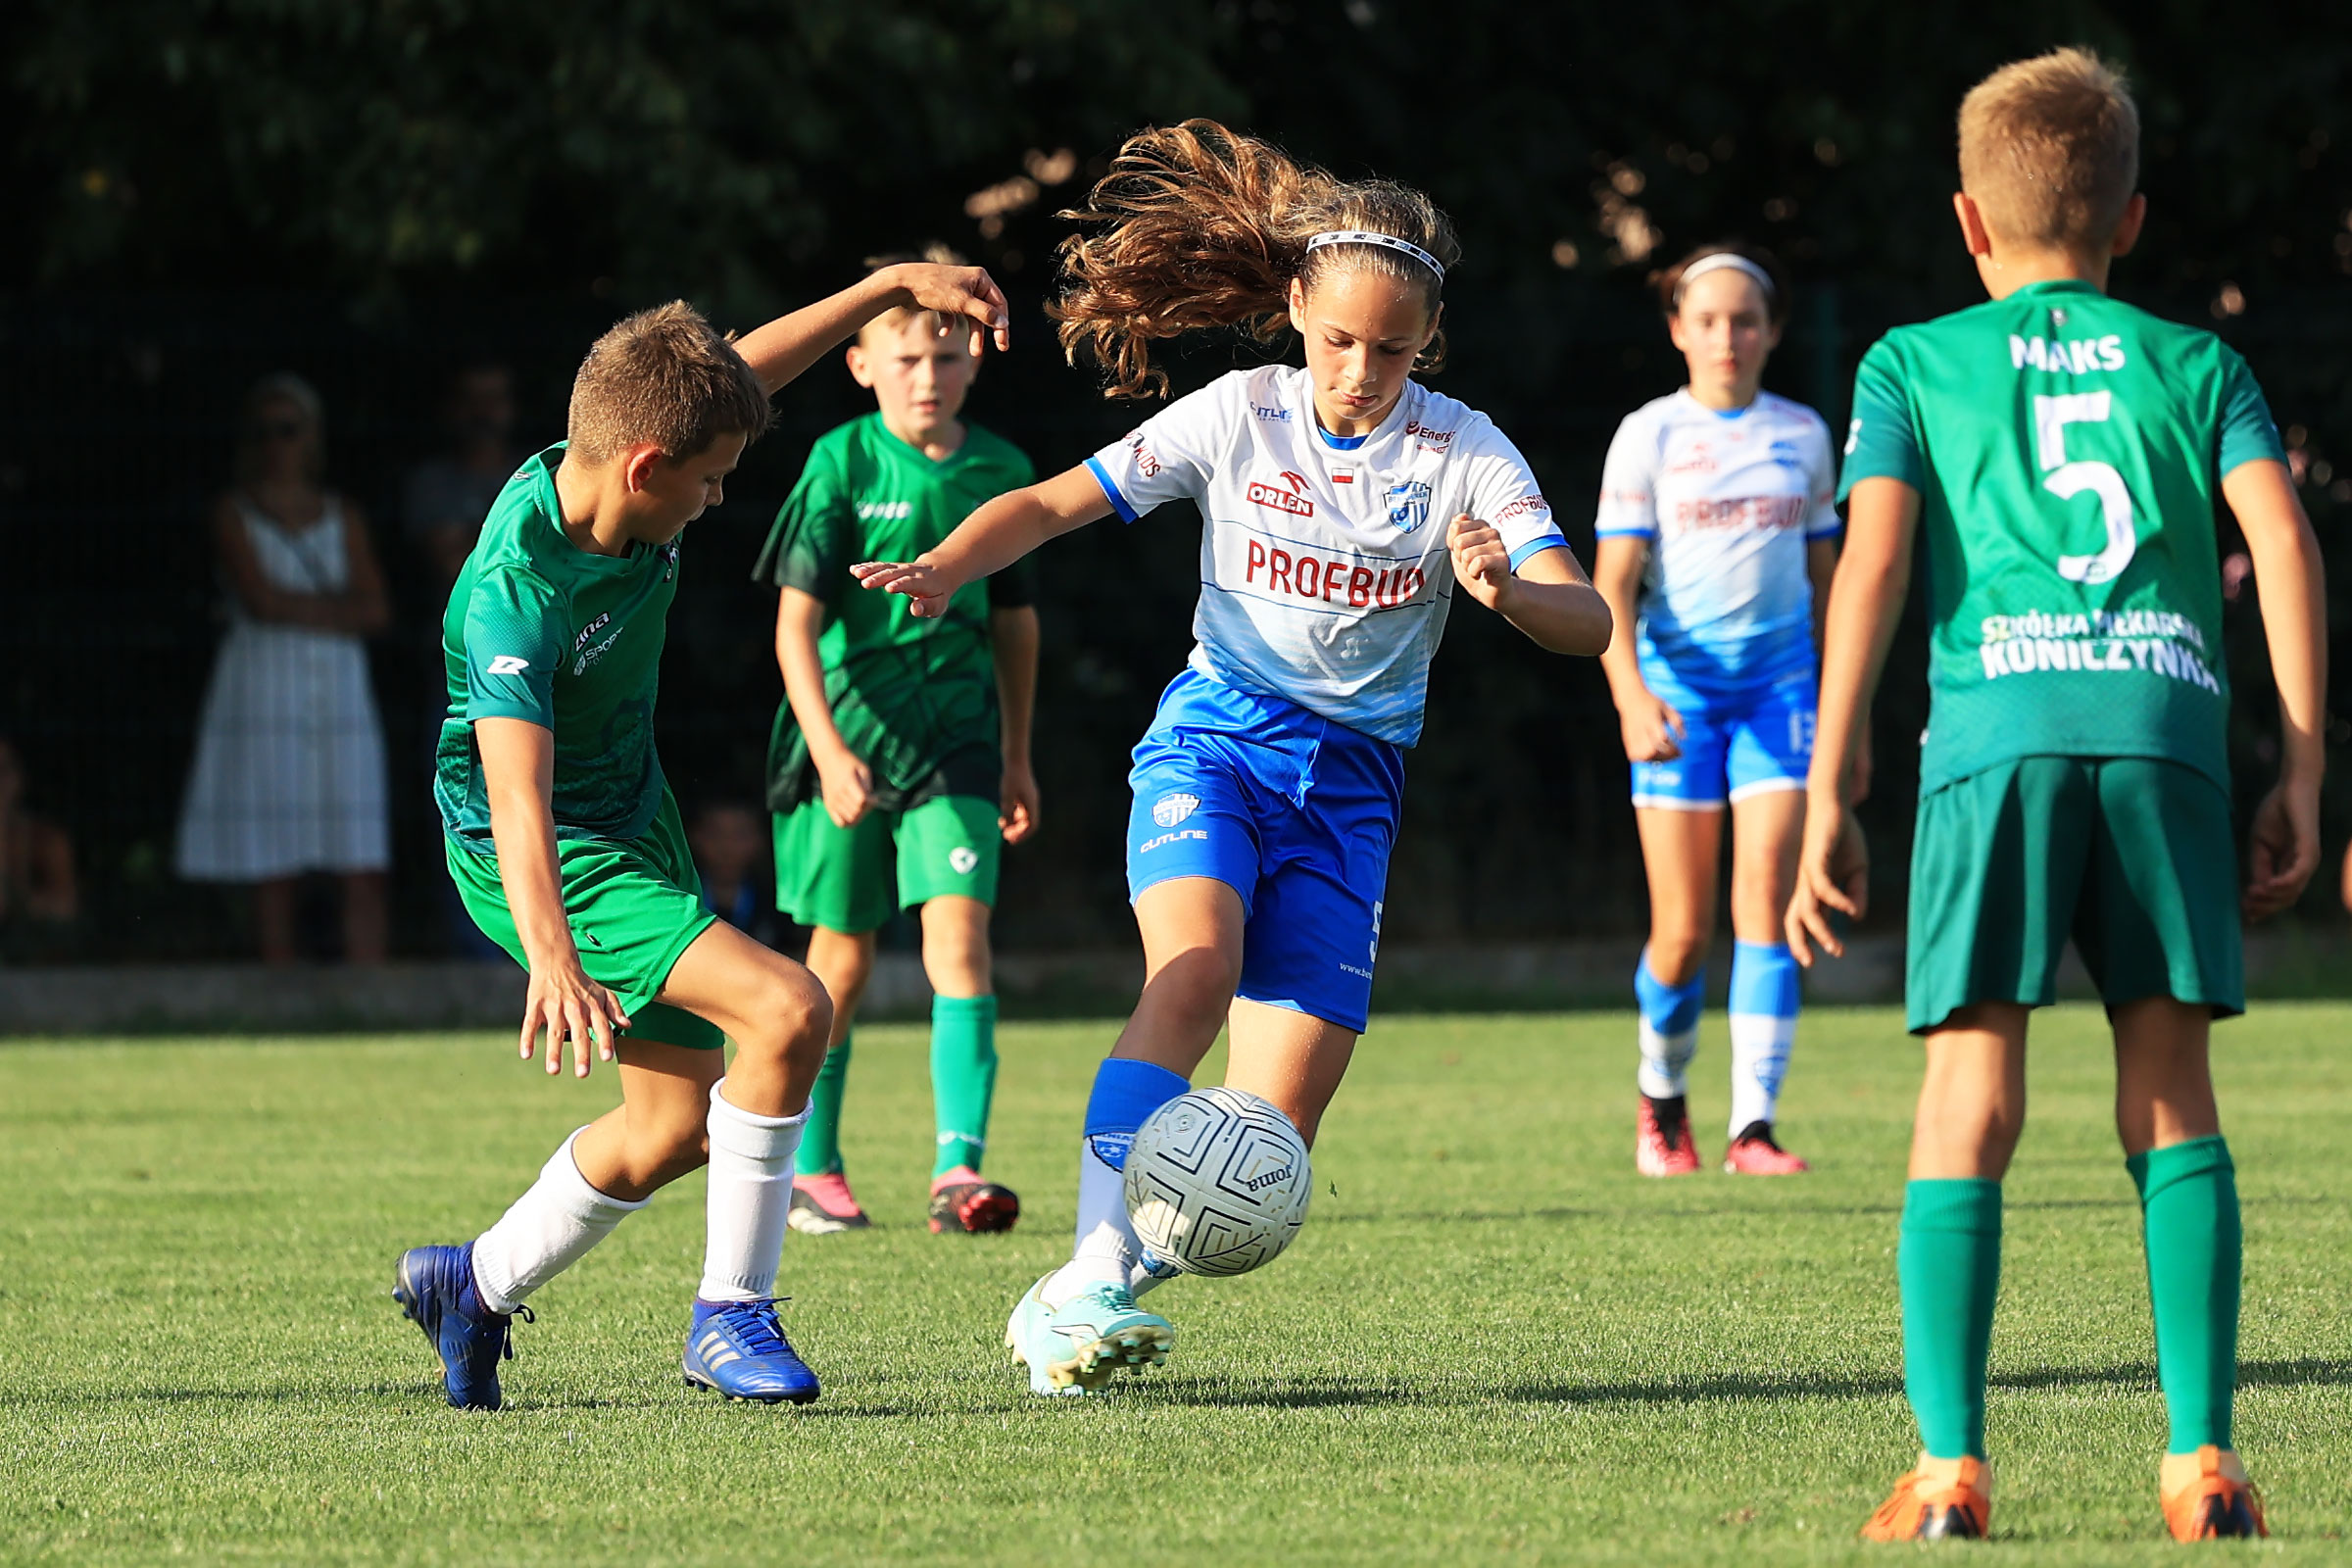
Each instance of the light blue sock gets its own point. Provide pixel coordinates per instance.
(1669, 1029)
(1764, 1002)
(1126, 1093)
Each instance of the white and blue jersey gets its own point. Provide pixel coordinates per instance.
(1274, 762)
(1730, 503)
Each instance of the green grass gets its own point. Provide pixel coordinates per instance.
(1492, 1342)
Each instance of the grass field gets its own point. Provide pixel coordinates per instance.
(1492, 1342)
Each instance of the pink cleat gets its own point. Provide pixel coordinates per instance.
(1754, 1153)
(1662, 1145)
(822, 1206)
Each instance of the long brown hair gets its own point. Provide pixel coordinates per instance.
(1200, 228)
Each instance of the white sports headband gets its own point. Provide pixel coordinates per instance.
(1365, 236)
(1715, 264)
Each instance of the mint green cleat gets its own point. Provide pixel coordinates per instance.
(1077, 1347)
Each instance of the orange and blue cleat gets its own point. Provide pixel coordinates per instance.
(2207, 1496)
(1944, 1499)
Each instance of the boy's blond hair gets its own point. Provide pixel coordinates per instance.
(935, 252)
(2049, 150)
(664, 376)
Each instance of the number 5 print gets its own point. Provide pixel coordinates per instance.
(2052, 417)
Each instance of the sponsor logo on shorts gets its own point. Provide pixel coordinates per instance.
(963, 859)
(1166, 839)
(1170, 809)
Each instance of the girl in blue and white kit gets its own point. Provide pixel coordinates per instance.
(1715, 511)
(1342, 503)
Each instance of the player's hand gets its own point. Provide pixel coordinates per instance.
(929, 587)
(1832, 874)
(2283, 849)
(1481, 564)
(847, 785)
(966, 291)
(1016, 819)
(1652, 728)
(570, 1007)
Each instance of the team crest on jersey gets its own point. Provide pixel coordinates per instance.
(1294, 500)
(1170, 809)
(1408, 505)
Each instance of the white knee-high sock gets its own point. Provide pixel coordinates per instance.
(751, 1193)
(1125, 1094)
(548, 1229)
(1764, 1003)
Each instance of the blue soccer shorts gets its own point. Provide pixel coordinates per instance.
(1294, 813)
(1735, 745)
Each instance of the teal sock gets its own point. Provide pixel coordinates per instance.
(1950, 1262)
(821, 1138)
(2188, 1201)
(964, 1077)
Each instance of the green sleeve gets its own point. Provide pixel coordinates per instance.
(514, 642)
(809, 547)
(1882, 442)
(2249, 434)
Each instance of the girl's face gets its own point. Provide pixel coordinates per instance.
(1362, 331)
(1726, 333)
(280, 435)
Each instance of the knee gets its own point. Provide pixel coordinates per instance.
(800, 1015)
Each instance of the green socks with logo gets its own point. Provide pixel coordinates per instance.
(964, 1077)
(2188, 1201)
(820, 1137)
(1950, 1262)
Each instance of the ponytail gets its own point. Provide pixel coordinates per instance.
(1202, 229)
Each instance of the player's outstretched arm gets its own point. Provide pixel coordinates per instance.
(1866, 600)
(518, 769)
(785, 347)
(991, 539)
(2283, 848)
(1652, 729)
(1013, 637)
(1548, 598)
(844, 781)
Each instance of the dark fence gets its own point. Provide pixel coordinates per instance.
(116, 435)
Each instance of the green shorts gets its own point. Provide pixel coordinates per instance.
(839, 877)
(634, 905)
(2133, 858)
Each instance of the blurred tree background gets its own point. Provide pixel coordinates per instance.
(371, 192)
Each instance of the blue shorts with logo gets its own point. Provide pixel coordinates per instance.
(1294, 813)
(1735, 743)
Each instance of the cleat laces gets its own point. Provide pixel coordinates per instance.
(756, 1329)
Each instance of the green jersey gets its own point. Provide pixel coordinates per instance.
(540, 630)
(916, 699)
(2067, 449)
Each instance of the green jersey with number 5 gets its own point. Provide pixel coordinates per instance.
(2068, 451)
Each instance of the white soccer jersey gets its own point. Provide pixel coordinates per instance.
(1323, 573)
(1730, 502)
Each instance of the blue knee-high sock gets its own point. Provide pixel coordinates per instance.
(1669, 1029)
(1764, 1002)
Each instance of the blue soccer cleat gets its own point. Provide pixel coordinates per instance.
(738, 1349)
(435, 1288)
(1078, 1346)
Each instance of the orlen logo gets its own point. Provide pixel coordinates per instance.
(1431, 440)
(1293, 501)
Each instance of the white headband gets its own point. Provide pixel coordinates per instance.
(1719, 261)
(1365, 236)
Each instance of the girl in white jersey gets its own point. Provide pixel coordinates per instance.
(1715, 512)
(1342, 503)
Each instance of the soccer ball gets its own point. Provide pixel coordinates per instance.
(1218, 1182)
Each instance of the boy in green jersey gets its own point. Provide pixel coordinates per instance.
(901, 739)
(2061, 453)
(567, 849)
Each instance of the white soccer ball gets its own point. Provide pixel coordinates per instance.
(1218, 1182)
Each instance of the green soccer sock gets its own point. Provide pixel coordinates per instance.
(964, 1077)
(821, 1138)
(1950, 1262)
(2189, 1199)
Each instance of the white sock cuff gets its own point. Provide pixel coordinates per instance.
(747, 1133)
(571, 1189)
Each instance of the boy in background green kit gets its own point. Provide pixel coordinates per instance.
(2061, 453)
(901, 740)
